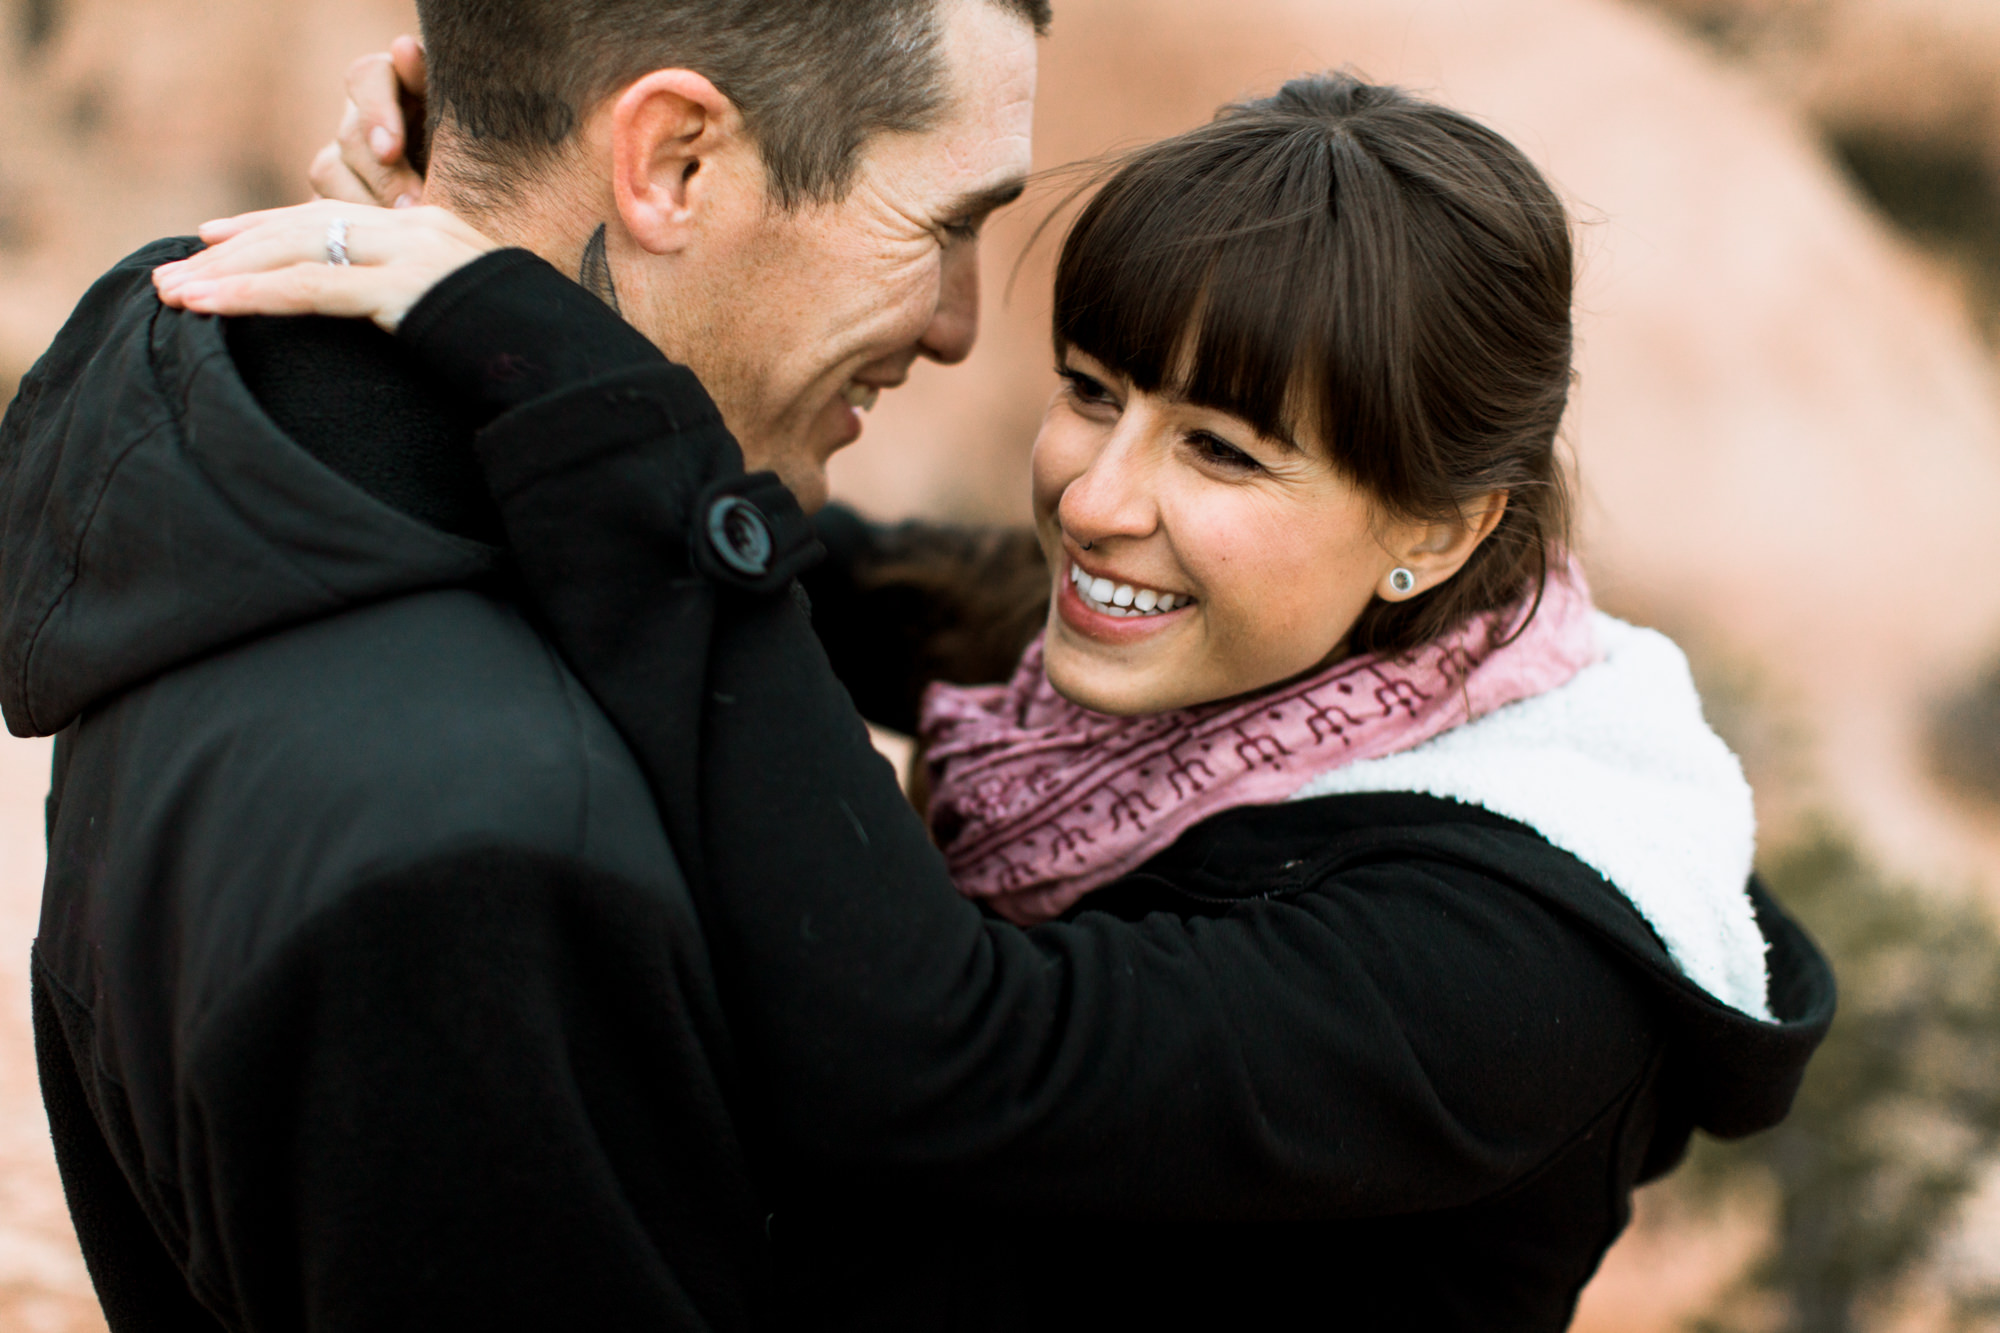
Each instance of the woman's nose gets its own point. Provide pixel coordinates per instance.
(1113, 496)
(954, 325)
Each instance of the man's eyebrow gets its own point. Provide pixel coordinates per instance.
(984, 201)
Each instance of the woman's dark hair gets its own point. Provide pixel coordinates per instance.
(1348, 263)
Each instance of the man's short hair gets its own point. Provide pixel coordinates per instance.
(510, 80)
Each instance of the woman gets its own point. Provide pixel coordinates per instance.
(1376, 913)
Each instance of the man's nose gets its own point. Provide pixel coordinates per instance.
(954, 325)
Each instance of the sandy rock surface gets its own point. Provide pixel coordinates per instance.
(1913, 69)
(136, 119)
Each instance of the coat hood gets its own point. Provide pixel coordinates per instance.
(151, 512)
(1619, 769)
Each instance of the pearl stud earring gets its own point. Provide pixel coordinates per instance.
(1402, 580)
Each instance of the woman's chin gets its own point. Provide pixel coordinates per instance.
(1116, 689)
(1112, 703)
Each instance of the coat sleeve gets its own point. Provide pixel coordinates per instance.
(898, 606)
(1401, 1039)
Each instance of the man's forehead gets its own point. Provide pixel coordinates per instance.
(990, 57)
(978, 156)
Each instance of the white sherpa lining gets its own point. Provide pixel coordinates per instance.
(1619, 769)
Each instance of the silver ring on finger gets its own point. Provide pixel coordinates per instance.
(336, 242)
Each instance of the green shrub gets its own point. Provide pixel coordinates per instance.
(1899, 1112)
(1965, 738)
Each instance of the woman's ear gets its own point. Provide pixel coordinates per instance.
(678, 147)
(1427, 554)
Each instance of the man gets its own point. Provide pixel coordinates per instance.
(369, 992)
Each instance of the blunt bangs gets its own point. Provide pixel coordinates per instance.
(1216, 268)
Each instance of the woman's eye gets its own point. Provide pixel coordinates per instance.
(1085, 388)
(1220, 452)
(962, 231)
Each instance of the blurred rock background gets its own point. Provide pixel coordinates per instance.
(1787, 429)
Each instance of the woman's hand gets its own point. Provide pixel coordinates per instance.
(286, 262)
(372, 159)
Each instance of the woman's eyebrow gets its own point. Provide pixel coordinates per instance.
(1278, 434)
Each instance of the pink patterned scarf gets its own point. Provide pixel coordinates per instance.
(1036, 801)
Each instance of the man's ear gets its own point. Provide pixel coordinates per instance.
(677, 145)
(1436, 551)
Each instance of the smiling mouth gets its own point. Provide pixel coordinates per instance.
(860, 397)
(1123, 599)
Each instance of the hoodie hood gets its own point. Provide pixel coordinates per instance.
(151, 512)
(1619, 769)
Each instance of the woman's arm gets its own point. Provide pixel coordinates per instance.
(899, 606)
(1367, 1051)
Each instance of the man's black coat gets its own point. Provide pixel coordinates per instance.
(409, 962)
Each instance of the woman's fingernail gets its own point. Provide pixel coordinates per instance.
(191, 292)
(383, 142)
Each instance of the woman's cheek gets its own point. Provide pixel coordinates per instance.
(1231, 545)
(1274, 593)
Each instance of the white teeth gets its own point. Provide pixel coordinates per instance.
(860, 396)
(1122, 599)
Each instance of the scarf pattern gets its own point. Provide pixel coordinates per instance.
(1037, 801)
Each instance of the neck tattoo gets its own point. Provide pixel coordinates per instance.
(596, 272)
